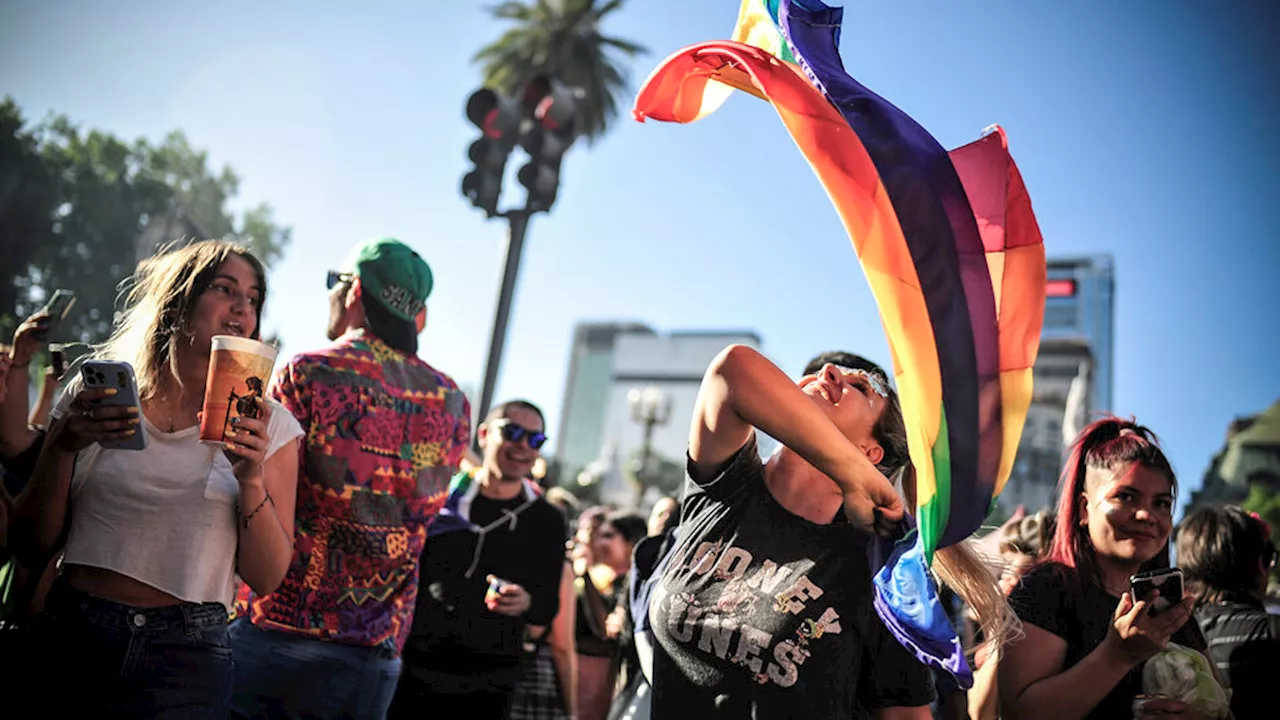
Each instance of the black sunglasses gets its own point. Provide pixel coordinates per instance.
(336, 277)
(511, 432)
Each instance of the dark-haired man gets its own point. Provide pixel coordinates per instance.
(491, 567)
(385, 432)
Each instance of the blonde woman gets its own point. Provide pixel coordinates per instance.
(137, 622)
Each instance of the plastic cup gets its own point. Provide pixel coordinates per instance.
(239, 369)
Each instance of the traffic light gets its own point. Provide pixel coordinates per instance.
(498, 118)
(554, 108)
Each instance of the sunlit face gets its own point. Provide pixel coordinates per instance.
(1129, 512)
(853, 400)
(229, 305)
(660, 514)
(510, 459)
(609, 547)
(583, 540)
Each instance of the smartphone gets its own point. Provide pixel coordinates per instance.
(118, 375)
(495, 589)
(57, 360)
(1167, 580)
(58, 307)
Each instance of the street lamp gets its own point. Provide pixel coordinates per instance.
(650, 407)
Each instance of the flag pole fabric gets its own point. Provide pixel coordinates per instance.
(960, 294)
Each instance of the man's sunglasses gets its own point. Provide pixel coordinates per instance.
(336, 277)
(511, 432)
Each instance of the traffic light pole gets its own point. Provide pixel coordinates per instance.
(540, 119)
(518, 222)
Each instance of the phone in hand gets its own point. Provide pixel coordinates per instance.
(495, 591)
(118, 375)
(57, 360)
(1167, 580)
(58, 307)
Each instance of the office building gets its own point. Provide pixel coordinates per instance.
(1059, 411)
(1073, 375)
(580, 435)
(1080, 305)
(598, 428)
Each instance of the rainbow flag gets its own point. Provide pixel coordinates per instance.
(954, 258)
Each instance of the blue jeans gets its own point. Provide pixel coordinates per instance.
(280, 675)
(116, 661)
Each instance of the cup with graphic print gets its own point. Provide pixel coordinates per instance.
(238, 372)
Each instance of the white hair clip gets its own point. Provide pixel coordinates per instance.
(877, 383)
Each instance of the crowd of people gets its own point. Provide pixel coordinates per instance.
(345, 554)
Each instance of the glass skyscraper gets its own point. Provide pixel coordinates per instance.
(1081, 306)
(1073, 374)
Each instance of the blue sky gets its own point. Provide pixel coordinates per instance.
(1143, 128)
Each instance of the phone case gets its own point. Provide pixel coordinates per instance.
(58, 307)
(60, 304)
(1168, 581)
(119, 375)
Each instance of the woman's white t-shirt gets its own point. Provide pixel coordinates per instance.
(164, 516)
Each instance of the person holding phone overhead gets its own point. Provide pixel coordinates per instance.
(137, 622)
(1086, 634)
(21, 439)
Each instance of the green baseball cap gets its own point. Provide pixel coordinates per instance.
(393, 275)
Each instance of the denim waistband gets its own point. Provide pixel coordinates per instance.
(310, 644)
(64, 599)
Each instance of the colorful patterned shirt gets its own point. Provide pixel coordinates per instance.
(384, 433)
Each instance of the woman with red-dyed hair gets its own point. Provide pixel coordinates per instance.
(1086, 636)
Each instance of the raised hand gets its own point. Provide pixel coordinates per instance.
(1137, 634)
(874, 506)
(511, 600)
(246, 443)
(30, 337)
(85, 422)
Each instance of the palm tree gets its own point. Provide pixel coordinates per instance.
(561, 38)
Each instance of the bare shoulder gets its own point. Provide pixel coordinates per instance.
(718, 431)
(1037, 655)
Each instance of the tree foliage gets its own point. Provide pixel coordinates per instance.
(562, 38)
(74, 203)
(1264, 499)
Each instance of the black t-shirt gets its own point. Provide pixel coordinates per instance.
(456, 638)
(1244, 641)
(763, 614)
(1081, 614)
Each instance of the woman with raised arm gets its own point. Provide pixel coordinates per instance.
(154, 538)
(1085, 636)
(765, 607)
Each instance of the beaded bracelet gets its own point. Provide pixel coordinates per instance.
(244, 521)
